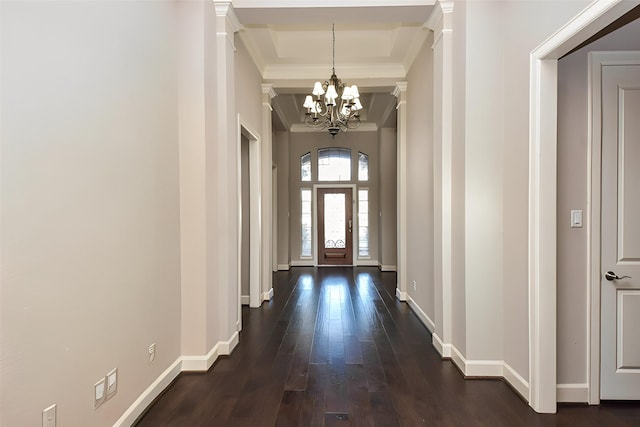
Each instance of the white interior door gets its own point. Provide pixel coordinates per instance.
(620, 256)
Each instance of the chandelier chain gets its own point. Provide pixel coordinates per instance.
(333, 30)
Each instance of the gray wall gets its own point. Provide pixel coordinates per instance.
(387, 248)
(90, 205)
(420, 180)
(572, 194)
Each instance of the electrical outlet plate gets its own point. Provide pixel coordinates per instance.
(99, 393)
(112, 383)
(49, 416)
(152, 352)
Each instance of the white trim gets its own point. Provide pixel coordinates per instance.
(483, 368)
(386, 267)
(424, 318)
(255, 211)
(284, 267)
(302, 263)
(266, 296)
(147, 397)
(542, 203)
(573, 393)
(458, 359)
(367, 262)
(348, 72)
(364, 127)
(239, 4)
(402, 296)
(490, 368)
(443, 349)
(203, 363)
(515, 380)
(400, 92)
(244, 299)
(181, 364)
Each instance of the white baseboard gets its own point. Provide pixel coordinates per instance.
(148, 396)
(266, 296)
(302, 263)
(244, 299)
(516, 381)
(458, 359)
(182, 364)
(284, 267)
(203, 363)
(491, 368)
(402, 296)
(384, 267)
(443, 349)
(426, 320)
(575, 393)
(483, 368)
(367, 263)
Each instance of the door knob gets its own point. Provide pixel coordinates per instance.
(350, 225)
(610, 275)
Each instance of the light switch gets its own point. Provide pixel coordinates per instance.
(49, 417)
(112, 383)
(98, 393)
(576, 219)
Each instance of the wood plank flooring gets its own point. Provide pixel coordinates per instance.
(335, 348)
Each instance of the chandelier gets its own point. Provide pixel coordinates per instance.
(326, 113)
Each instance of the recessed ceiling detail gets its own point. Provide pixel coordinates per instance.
(290, 43)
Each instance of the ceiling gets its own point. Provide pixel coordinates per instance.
(292, 48)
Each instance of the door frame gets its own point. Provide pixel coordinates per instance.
(255, 220)
(594, 201)
(354, 214)
(543, 183)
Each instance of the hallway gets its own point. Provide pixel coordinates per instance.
(333, 348)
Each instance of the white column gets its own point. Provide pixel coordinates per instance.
(222, 194)
(267, 187)
(400, 92)
(441, 23)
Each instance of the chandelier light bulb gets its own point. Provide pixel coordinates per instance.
(347, 95)
(317, 89)
(308, 102)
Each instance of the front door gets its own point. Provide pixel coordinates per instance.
(335, 225)
(620, 240)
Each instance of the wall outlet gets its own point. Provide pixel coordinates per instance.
(152, 352)
(112, 383)
(414, 285)
(49, 416)
(99, 393)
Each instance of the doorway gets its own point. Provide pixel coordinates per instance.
(249, 184)
(335, 226)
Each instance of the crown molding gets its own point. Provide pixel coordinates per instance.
(345, 72)
(442, 7)
(254, 52)
(364, 127)
(328, 3)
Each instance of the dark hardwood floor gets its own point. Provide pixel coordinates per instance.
(335, 348)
